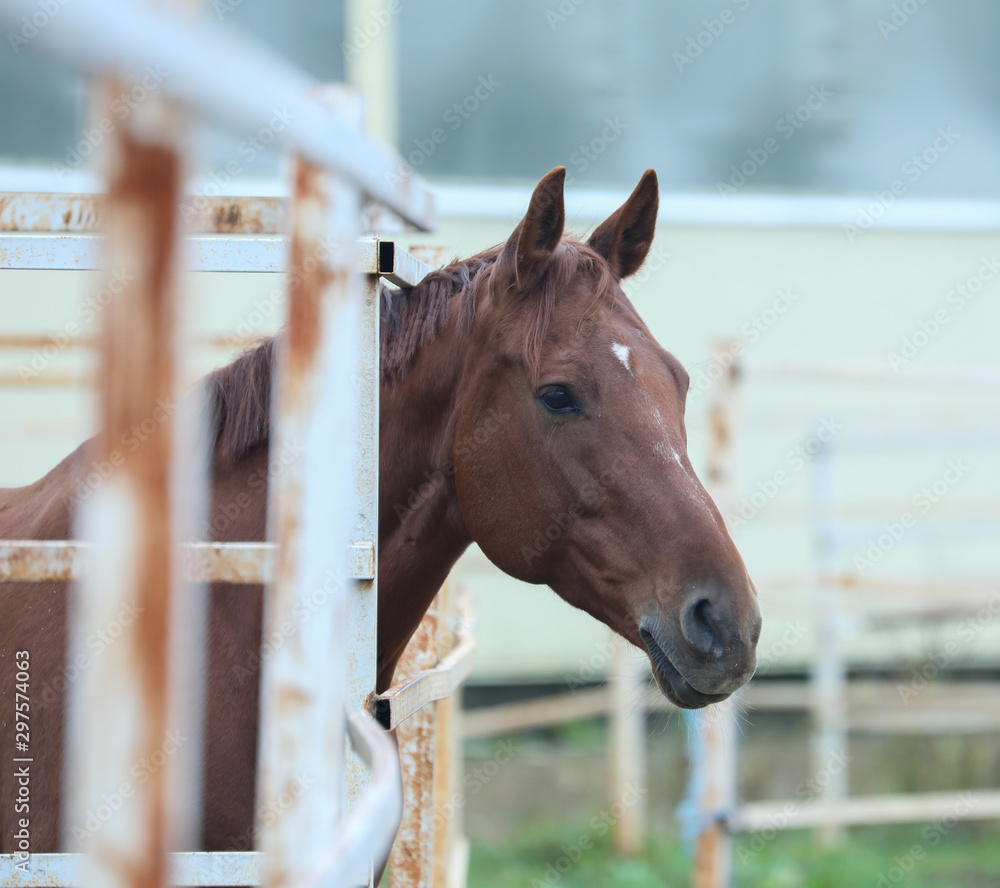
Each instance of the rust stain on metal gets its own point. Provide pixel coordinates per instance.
(51, 212)
(27, 564)
(136, 381)
(310, 276)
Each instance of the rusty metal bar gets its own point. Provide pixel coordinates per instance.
(120, 711)
(263, 253)
(78, 213)
(429, 685)
(303, 687)
(412, 859)
(45, 561)
(84, 213)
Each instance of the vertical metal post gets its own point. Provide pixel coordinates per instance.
(411, 864)
(125, 746)
(628, 746)
(448, 752)
(304, 680)
(829, 674)
(715, 730)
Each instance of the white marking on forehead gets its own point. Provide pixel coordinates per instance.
(623, 353)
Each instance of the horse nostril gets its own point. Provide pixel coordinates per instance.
(699, 627)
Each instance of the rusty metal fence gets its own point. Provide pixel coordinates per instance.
(324, 813)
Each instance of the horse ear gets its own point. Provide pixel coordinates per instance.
(535, 239)
(624, 238)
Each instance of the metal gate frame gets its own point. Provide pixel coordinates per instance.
(311, 843)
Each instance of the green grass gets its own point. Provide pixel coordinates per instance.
(543, 854)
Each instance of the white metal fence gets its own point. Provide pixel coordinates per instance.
(134, 523)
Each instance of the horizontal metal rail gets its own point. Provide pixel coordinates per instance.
(184, 869)
(401, 701)
(229, 79)
(74, 213)
(40, 561)
(815, 371)
(263, 253)
(862, 810)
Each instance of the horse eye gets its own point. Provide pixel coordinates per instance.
(558, 400)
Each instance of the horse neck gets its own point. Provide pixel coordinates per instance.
(421, 530)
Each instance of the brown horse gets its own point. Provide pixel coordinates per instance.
(526, 407)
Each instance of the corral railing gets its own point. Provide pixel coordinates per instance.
(322, 816)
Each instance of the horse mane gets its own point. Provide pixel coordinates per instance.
(239, 394)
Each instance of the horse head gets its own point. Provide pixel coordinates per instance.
(586, 484)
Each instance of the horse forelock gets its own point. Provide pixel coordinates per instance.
(412, 316)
